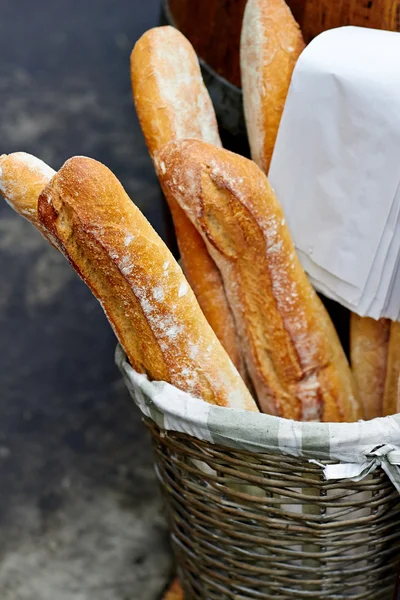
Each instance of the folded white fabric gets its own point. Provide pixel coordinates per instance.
(336, 167)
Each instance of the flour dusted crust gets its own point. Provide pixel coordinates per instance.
(295, 360)
(369, 344)
(142, 289)
(391, 398)
(170, 97)
(22, 178)
(172, 103)
(271, 43)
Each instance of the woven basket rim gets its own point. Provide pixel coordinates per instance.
(361, 433)
(120, 353)
(357, 448)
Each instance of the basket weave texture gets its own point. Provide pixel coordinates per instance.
(268, 526)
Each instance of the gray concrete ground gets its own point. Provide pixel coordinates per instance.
(80, 513)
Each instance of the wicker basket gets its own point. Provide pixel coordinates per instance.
(247, 525)
(255, 505)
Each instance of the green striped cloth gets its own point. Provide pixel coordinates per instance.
(359, 448)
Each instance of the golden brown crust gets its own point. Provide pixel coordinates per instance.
(369, 342)
(391, 398)
(270, 45)
(175, 592)
(293, 354)
(22, 178)
(206, 282)
(170, 97)
(172, 102)
(142, 289)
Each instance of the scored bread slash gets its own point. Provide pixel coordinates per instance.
(271, 43)
(294, 357)
(172, 103)
(140, 286)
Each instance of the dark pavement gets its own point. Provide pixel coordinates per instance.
(80, 513)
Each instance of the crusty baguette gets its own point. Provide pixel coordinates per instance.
(271, 43)
(172, 102)
(22, 178)
(144, 294)
(170, 97)
(369, 342)
(391, 398)
(295, 360)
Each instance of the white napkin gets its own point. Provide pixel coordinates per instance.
(336, 167)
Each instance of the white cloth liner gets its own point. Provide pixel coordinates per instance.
(335, 167)
(359, 447)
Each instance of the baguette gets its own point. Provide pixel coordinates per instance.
(172, 102)
(144, 294)
(271, 43)
(391, 397)
(22, 178)
(294, 357)
(170, 97)
(369, 342)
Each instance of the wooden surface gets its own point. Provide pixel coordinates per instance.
(297, 7)
(320, 15)
(214, 26)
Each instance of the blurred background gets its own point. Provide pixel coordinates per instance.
(80, 512)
